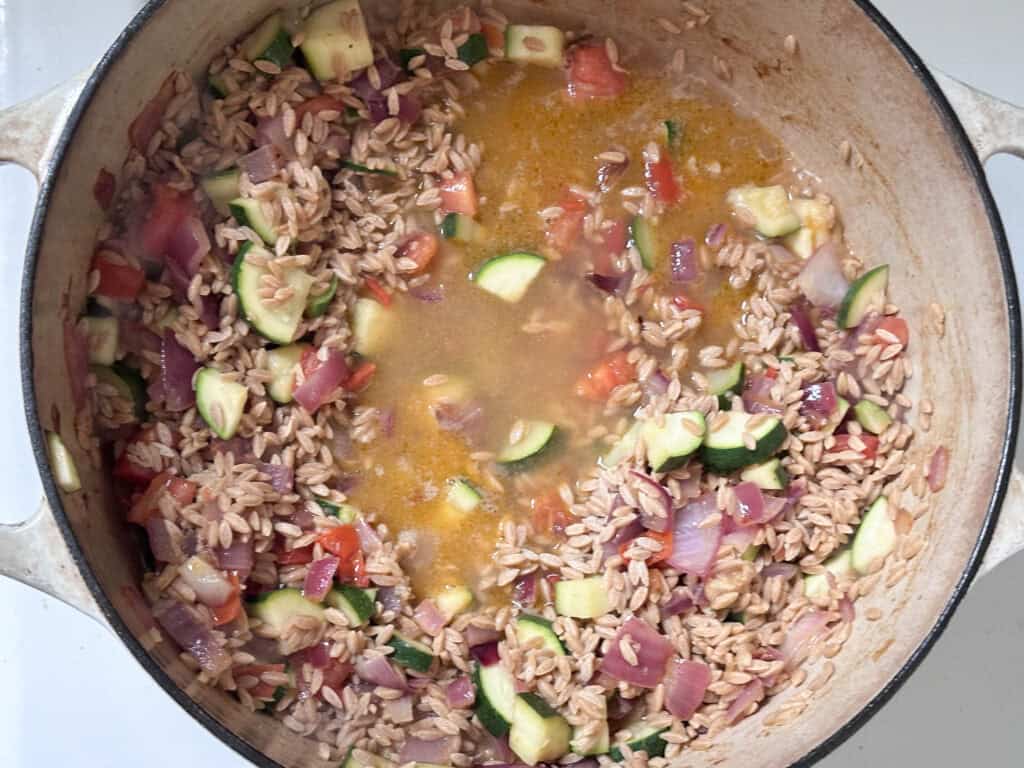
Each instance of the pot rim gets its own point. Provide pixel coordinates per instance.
(957, 135)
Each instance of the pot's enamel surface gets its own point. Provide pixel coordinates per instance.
(917, 201)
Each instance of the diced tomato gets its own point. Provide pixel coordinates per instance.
(591, 74)
(360, 378)
(379, 292)
(230, 610)
(610, 373)
(421, 247)
(318, 104)
(300, 556)
(337, 674)
(103, 188)
(870, 445)
(660, 180)
(494, 35)
(771, 373)
(563, 232)
(684, 302)
(127, 470)
(168, 210)
(665, 539)
(342, 541)
(549, 513)
(118, 281)
(183, 492)
(897, 326)
(262, 691)
(458, 194)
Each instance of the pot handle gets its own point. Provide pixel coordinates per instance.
(34, 552)
(994, 126)
(29, 131)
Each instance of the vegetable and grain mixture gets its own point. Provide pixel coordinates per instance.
(484, 398)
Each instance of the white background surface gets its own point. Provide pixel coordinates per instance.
(73, 696)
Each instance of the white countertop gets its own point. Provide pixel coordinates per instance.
(72, 694)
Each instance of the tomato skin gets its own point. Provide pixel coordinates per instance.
(379, 292)
(337, 674)
(168, 210)
(549, 513)
(318, 104)
(232, 608)
(870, 445)
(458, 194)
(661, 181)
(494, 36)
(118, 281)
(300, 556)
(183, 492)
(563, 232)
(361, 377)
(591, 74)
(598, 383)
(685, 302)
(421, 247)
(664, 538)
(132, 473)
(897, 326)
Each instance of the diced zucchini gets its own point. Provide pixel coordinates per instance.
(769, 207)
(277, 609)
(463, 497)
(509, 276)
(641, 236)
(726, 383)
(411, 653)
(591, 747)
(815, 228)
(282, 363)
(65, 473)
(335, 42)
(453, 601)
(529, 627)
(535, 44)
(769, 476)
(355, 603)
(538, 732)
(474, 50)
(318, 304)
(875, 538)
(270, 41)
(625, 447)
(101, 338)
(127, 382)
(249, 213)
(840, 565)
(218, 85)
(373, 326)
(496, 697)
(842, 408)
(751, 553)
(360, 168)
(278, 322)
(346, 513)
(647, 740)
(872, 417)
(866, 293)
(220, 401)
(535, 438)
(222, 188)
(582, 598)
(673, 130)
(358, 758)
(460, 228)
(724, 449)
(670, 444)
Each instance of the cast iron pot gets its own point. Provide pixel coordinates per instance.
(919, 201)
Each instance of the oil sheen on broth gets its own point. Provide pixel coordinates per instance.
(474, 348)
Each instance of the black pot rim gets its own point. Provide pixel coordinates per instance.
(956, 133)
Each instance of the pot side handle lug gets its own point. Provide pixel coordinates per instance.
(994, 126)
(34, 552)
(29, 131)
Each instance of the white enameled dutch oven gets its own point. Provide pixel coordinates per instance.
(919, 201)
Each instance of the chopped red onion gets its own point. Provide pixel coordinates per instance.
(270, 131)
(619, 707)
(457, 417)
(161, 543)
(820, 402)
(786, 570)
(586, 762)
(319, 577)
(210, 314)
(282, 478)
(190, 543)
(685, 686)
(655, 503)
(801, 635)
(437, 752)
(524, 590)
(822, 280)
(177, 367)
(368, 538)
(846, 611)
(262, 164)
(652, 651)
(209, 584)
(388, 597)
(938, 468)
(683, 261)
(429, 617)
(679, 603)
(656, 384)
(774, 506)
(398, 710)
(737, 536)
(238, 557)
(751, 692)
(715, 235)
(486, 654)
(187, 246)
(608, 174)
(750, 507)
(137, 337)
(409, 108)
(146, 123)
(339, 143)
(318, 656)
(694, 548)
(460, 693)
(480, 636)
(379, 671)
(387, 422)
(757, 395)
(322, 382)
(301, 516)
(431, 294)
(802, 320)
(184, 627)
